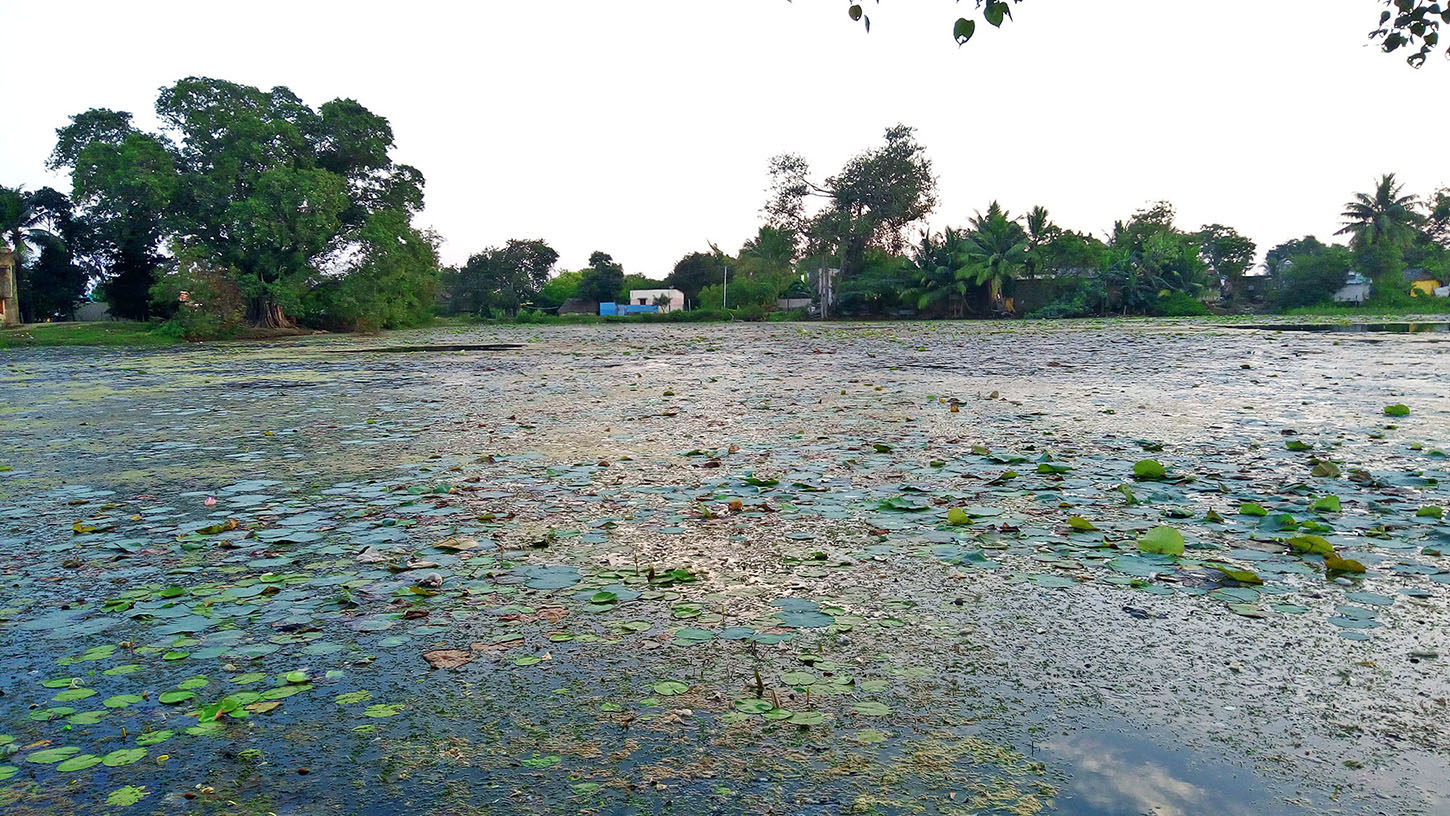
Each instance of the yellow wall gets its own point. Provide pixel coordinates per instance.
(1426, 288)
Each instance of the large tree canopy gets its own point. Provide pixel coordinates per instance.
(502, 278)
(602, 279)
(281, 197)
(1410, 24)
(123, 181)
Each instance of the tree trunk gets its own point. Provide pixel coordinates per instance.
(264, 313)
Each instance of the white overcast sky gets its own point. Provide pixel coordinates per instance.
(643, 127)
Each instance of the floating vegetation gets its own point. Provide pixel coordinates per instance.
(443, 575)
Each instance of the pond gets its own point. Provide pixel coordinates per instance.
(1079, 568)
(1433, 327)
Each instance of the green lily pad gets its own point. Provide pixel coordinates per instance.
(1162, 540)
(50, 756)
(1149, 470)
(123, 756)
(751, 705)
(127, 796)
(383, 710)
(78, 763)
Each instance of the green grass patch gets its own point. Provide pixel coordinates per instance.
(1437, 311)
(100, 333)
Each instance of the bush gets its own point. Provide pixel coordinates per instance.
(743, 293)
(199, 301)
(789, 316)
(1312, 277)
(1084, 299)
(1178, 304)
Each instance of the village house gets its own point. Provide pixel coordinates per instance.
(668, 300)
(1356, 289)
(1422, 282)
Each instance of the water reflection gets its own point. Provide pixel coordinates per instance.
(1118, 774)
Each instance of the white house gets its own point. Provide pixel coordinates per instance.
(655, 297)
(1356, 289)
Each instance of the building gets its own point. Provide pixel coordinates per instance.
(92, 312)
(1422, 282)
(668, 300)
(1356, 289)
(9, 295)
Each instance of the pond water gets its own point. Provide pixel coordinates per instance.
(1083, 568)
(1431, 327)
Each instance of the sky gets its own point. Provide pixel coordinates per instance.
(643, 128)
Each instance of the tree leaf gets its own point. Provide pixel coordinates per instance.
(995, 11)
(963, 30)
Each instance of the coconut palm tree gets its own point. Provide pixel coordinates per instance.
(997, 250)
(942, 272)
(1040, 231)
(32, 218)
(1385, 216)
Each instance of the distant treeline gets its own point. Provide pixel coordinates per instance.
(250, 208)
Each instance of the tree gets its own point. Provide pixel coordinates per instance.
(1150, 258)
(1414, 24)
(602, 279)
(943, 273)
(559, 289)
(1040, 232)
(768, 261)
(773, 247)
(996, 246)
(502, 278)
(41, 227)
(391, 284)
(1385, 216)
(879, 285)
(1437, 225)
(1227, 253)
(1274, 259)
(694, 272)
(122, 182)
(277, 195)
(1068, 252)
(18, 220)
(870, 203)
(1310, 274)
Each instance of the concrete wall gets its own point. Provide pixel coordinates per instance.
(1353, 293)
(9, 297)
(646, 297)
